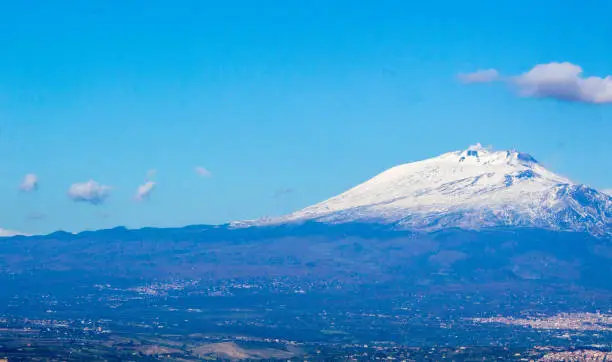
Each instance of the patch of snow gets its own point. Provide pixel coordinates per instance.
(8, 233)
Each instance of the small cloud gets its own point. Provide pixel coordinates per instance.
(35, 216)
(608, 192)
(29, 183)
(479, 76)
(564, 81)
(476, 147)
(90, 191)
(479, 147)
(202, 171)
(556, 80)
(283, 192)
(144, 191)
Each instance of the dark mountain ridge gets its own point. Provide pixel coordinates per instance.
(359, 253)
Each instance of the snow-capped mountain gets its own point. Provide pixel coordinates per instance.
(8, 233)
(469, 189)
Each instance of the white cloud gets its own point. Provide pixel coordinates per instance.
(90, 191)
(144, 191)
(202, 171)
(563, 81)
(29, 183)
(476, 147)
(608, 192)
(479, 76)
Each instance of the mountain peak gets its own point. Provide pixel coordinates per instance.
(473, 188)
(475, 151)
(487, 155)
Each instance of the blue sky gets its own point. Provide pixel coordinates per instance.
(284, 103)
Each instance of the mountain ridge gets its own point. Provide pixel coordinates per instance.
(471, 189)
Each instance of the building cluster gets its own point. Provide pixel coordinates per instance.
(564, 321)
(581, 355)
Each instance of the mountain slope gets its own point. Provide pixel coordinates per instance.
(469, 189)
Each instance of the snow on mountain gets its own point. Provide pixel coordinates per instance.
(8, 233)
(470, 189)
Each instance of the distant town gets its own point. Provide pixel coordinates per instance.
(193, 319)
